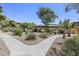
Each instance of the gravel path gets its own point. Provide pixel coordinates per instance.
(17, 48)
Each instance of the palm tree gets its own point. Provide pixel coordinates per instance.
(46, 15)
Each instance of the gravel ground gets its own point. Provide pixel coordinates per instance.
(27, 42)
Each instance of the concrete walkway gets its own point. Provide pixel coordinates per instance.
(17, 48)
(41, 48)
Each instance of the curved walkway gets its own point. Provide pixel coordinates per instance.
(17, 48)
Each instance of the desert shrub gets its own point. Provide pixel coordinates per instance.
(29, 30)
(42, 30)
(70, 47)
(43, 35)
(31, 36)
(4, 23)
(35, 30)
(18, 31)
(11, 29)
(6, 29)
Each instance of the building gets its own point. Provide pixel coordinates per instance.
(50, 27)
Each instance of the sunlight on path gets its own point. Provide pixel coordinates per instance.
(17, 48)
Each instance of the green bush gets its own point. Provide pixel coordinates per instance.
(18, 31)
(4, 23)
(6, 29)
(70, 47)
(60, 30)
(31, 36)
(43, 35)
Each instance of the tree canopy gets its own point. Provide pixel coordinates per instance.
(46, 15)
(72, 6)
(1, 10)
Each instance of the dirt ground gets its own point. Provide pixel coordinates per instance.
(55, 47)
(27, 42)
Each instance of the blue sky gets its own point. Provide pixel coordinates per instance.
(26, 12)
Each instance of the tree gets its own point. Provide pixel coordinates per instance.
(30, 25)
(46, 15)
(60, 27)
(67, 26)
(12, 23)
(72, 6)
(60, 22)
(2, 17)
(1, 10)
(27, 25)
(4, 23)
(24, 25)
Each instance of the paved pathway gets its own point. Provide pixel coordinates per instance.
(17, 48)
(41, 48)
